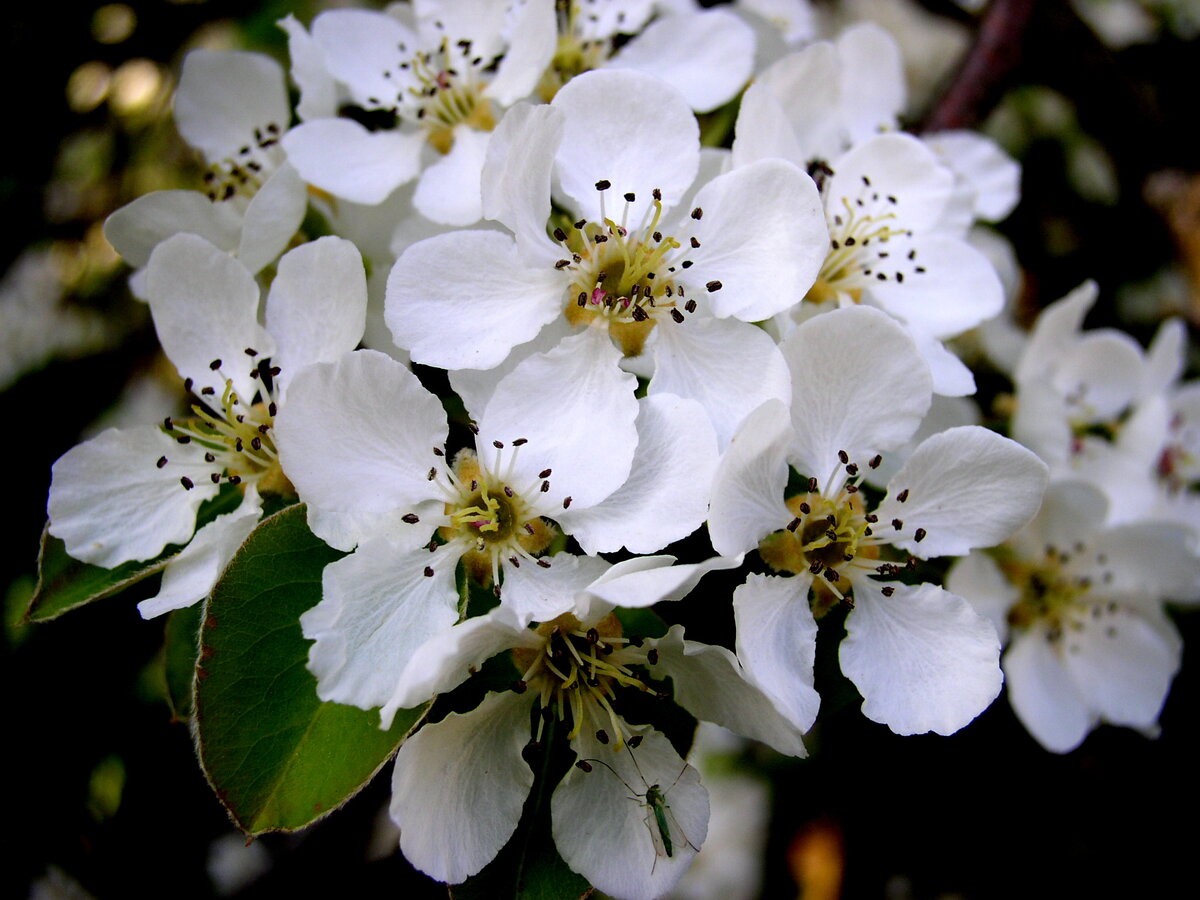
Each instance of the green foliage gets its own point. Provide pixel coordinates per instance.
(181, 645)
(277, 757)
(65, 583)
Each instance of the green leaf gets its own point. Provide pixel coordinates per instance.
(64, 583)
(181, 646)
(277, 757)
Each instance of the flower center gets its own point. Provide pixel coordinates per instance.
(833, 537)
(493, 521)
(440, 89)
(866, 246)
(577, 672)
(573, 56)
(236, 436)
(626, 279)
(240, 176)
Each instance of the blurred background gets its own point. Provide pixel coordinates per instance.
(1097, 100)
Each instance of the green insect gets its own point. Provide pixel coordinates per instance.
(666, 834)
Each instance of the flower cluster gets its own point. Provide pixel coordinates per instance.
(551, 342)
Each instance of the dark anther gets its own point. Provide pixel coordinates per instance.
(656, 194)
(583, 765)
(566, 502)
(875, 461)
(805, 508)
(713, 286)
(897, 524)
(256, 443)
(187, 483)
(215, 364)
(238, 445)
(695, 243)
(545, 486)
(581, 300)
(639, 314)
(162, 461)
(187, 384)
(850, 242)
(544, 563)
(410, 518)
(871, 517)
(429, 571)
(215, 477)
(634, 742)
(272, 409)
(630, 197)
(652, 656)
(602, 736)
(559, 234)
(593, 636)
(519, 687)
(815, 567)
(793, 525)
(508, 492)
(562, 263)
(852, 489)
(697, 213)
(832, 574)
(677, 316)
(432, 475)
(843, 456)
(235, 479)
(168, 424)
(603, 184)
(903, 495)
(545, 473)
(184, 439)
(919, 535)
(686, 264)
(690, 306)
(852, 469)
(812, 484)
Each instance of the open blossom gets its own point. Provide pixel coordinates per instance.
(127, 494)
(707, 55)
(233, 108)
(460, 784)
(1080, 604)
(670, 271)
(365, 445)
(920, 656)
(430, 93)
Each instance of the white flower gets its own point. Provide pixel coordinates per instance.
(125, 495)
(1081, 606)
(365, 443)
(629, 262)
(233, 108)
(922, 659)
(895, 243)
(460, 784)
(436, 82)
(706, 55)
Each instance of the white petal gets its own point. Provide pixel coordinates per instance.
(448, 189)
(360, 45)
(759, 134)
(858, 385)
(137, 228)
(1121, 664)
(604, 828)
(762, 237)
(730, 367)
(993, 176)
(537, 594)
(958, 289)
(872, 80)
(951, 377)
(923, 659)
(1044, 696)
(814, 117)
(317, 306)
(1099, 374)
(1165, 358)
(747, 494)
(978, 580)
(534, 39)
(310, 73)
(272, 218)
(631, 130)
(967, 487)
(777, 643)
(377, 607)
(711, 685)
(516, 176)
(451, 656)
(224, 95)
(577, 410)
(342, 157)
(706, 56)
(645, 580)
(464, 299)
(459, 787)
(1057, 327)
(476, 386)
(191, 575)
(666, 496)
(109, 502)
(898, 165)
(357, 436)
(205, 308)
